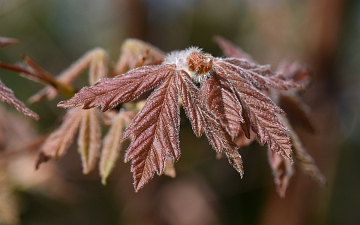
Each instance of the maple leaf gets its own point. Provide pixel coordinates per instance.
(246, 80)
(109, 92)
(297, 114)
(155, 132)
(229, 95)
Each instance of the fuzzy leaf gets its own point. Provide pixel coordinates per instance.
(7, 95)
(189, 94)
(221, 141)
(259, 108)
(155, 132)
(221, 101)
(109, 92)
(89, 139)
(260, 76)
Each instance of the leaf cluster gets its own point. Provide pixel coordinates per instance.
(232, 101)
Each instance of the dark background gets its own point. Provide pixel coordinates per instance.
(325, 34)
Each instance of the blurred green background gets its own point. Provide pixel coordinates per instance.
(325, 34)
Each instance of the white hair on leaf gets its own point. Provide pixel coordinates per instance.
(192, 61)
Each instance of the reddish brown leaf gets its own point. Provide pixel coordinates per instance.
(109, 92)
(260, 109)
(297, 112)
(222, 103)
(155, 133)
(259, 76)
(189, 94)
(7, 95)
(89, 140)
(221, 141)
(230, 99)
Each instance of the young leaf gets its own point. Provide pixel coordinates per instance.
(109, 92)
(297, 113)
(7, 95)
(246, 81)
(155, 133)
(221, 101)
(230, 100)
(221, 141)
(89, 139)
(189, 94)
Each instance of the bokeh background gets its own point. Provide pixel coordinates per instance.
(325, 34)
